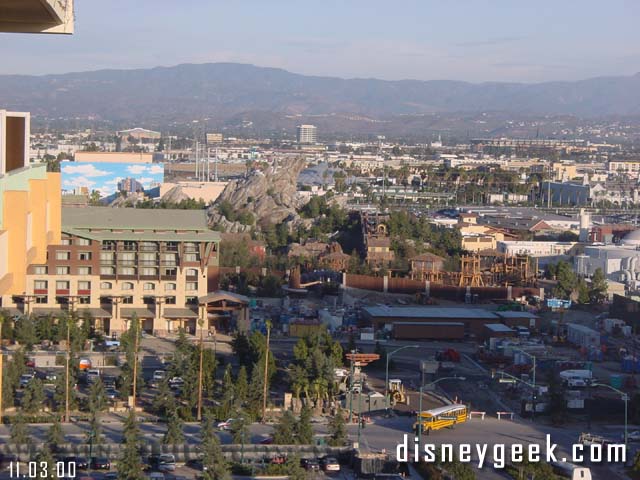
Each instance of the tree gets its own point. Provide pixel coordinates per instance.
(59, 393)
(173, 435)
(33, 396)
(599, 287)
(98, 400)
(304, 429)
(293, 469)
(94, 435)
(55, 435)
(45, 464)
(215, 466)
(241, 387)
(164, 402)
(19, 432)
(129, 465)
(284, 431)
(240, 428)
(557, 402)
(337, 430)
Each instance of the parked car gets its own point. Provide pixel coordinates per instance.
(93, 374)
(310, 464)
(226, 425)
(166, 463)
(111, 476)
(176, 382)
(632, 436)
(330, 464)
(25, 378)
(156, 476)
(100, 463)
(85, 364)
(111, 393)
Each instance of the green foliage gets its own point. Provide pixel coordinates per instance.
(33, 396)
(599, 287)
(532, 470)
(237, 254)
(130, 464)
(55, 435)
(184, 204)
(284, 431)
(568, 236)
(337, 430)
(228, 211)
(566, 278)
(240, 428)
(304, 429)
(19, 432)
(97, 400)
(45, 464)
(215, 465)
(164, 402)
(174, 434)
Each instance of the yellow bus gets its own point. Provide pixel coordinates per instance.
(441, 417)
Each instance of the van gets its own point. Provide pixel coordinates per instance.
(571, 471)
(93, 375)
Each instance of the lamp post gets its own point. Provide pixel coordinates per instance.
(201, 325)
(386, 377)
(534, 389)
(420, 400)
(266, 373)
(625, 398)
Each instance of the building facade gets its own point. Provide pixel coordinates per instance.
(114, 264)
(29, 207)
(306, 134)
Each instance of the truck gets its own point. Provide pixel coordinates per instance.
(576, 378)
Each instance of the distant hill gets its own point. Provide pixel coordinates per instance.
(226, 92)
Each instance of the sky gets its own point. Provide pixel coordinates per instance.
(470, 40)
(104, 177)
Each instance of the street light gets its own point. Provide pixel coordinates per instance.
(533, 388)
(386, 377)
(625, 398)
(513, 379)
(420, 400)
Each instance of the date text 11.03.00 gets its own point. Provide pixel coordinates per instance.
(38, 469)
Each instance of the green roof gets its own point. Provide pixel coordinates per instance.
(149, 224)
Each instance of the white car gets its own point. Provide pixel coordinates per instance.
(226, 425)
(159, 375)
(330, 464)
(633, 436)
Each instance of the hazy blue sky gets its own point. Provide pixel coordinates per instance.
(473, 40)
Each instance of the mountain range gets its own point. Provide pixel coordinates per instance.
(229, 92)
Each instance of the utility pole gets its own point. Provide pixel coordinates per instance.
(351, 389)
(201, 324)
(266, 372)
(135, 359)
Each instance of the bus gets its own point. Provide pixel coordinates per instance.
(441, 417)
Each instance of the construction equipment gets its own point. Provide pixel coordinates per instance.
(396, 391)
(448, 355)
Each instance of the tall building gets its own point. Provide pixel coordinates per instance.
(114, 264)
(29, 207)
(130, 185)
(306, 134)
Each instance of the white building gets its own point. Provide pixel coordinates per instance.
(306, 134)
(618, 262)
(535, 249)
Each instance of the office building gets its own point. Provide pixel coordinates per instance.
(307, 134)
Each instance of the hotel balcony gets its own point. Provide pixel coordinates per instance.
(37, 16)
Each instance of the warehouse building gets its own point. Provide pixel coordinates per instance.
(473, 319)
(428, 331)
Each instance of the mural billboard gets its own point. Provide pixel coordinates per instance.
(110, 178)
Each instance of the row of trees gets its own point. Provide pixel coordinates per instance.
(572, 286)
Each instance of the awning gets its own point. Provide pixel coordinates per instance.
(139, 312)
(94, 312)
(221, 295)
(179, 313)
(44, 312)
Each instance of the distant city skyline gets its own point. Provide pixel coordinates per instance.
(475, 41)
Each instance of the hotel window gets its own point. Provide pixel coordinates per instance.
(191, 300)
(63, 255)
(40, 285)
(127, 258)
(168, 258)
(84, 270)
(190, 257)
(127, 286)
(127, 300)
(107, 271)
(130, 246)
(106, 286)
(148, 259)
(148, 272)
(65, 241)
(149, 286)
(106, 257)
(192, 272)
(82, 285)
(169, 272)
(84, 256)
(192, 286)
(84, 300)
(40, 270)
(126, 271)
(83, 242)
(62, 270)
(62, 285)
(169, 287)
(109, 245)
(170, 300)
(42, 299)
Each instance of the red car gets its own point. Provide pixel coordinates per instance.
(30, 362)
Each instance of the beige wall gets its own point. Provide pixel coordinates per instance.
(113, 157)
